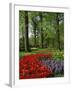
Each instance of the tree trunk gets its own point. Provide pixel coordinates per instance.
(34, 34)
(26, 32)
(41, 31)
(23, 40)
(58, 32)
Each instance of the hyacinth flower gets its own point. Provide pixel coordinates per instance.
(57, 67)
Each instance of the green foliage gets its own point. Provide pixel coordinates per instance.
(58, 55)
(48, 24)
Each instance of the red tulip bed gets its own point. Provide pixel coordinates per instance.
(31, 67)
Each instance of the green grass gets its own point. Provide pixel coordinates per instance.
(33, 51)
(59, 75)
(57, 55)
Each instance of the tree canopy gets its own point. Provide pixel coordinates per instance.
(41, 30)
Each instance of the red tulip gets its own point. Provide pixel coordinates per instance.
(31, 67)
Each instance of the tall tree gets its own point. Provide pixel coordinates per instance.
(34, 30)
(21, 30)
(26, 32)
(57, 30)
(41, 30)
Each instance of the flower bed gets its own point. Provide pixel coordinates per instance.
(57, 67)
(31, 67)
(40, 66)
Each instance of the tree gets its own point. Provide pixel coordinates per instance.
(59, 18)
(41, 30)
(26, 32)
(45, 29)
(21, 30)
(34, 30)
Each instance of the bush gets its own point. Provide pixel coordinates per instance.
(58, 55)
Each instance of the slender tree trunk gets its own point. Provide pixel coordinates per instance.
(34, 34)
(58, 32)
(22, 39)
(26, 32)
(41, 31)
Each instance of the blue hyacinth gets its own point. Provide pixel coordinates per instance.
(57, 67)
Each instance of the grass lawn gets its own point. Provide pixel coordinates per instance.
(57, 55)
